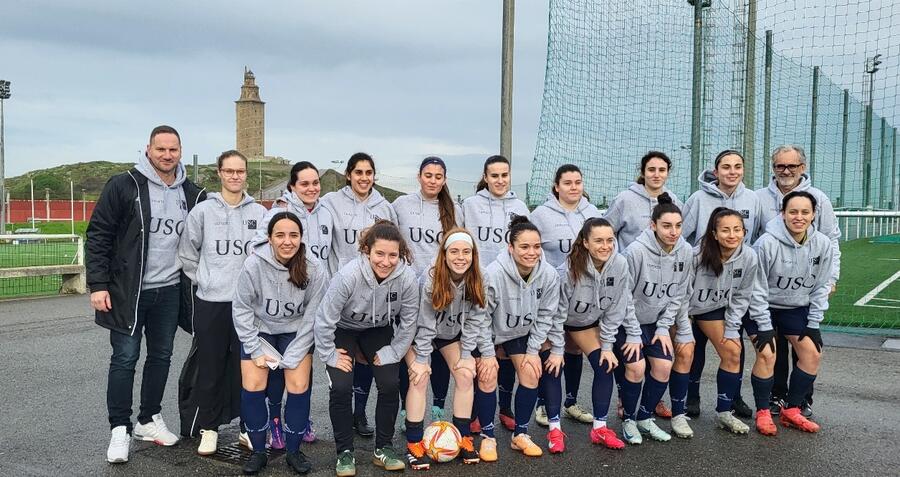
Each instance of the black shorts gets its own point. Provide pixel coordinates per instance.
(790, 321)
(573, 329)
(516, 345)
(715, 315)
(367, 341)
(617, 348)
(652, 350)
(279, 341)
(440, 342)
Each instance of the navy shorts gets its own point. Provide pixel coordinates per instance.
(790, 321)
(440, 342)
(278, 341)
(617, 348)
(516, 345)
(572, 329)
(715, 315)
(652, 350)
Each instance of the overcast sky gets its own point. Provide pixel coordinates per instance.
(398, 79)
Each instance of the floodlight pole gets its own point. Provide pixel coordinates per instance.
(697, 94)
(4, 95)
(506, 80)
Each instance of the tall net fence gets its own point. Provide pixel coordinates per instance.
(622, 79)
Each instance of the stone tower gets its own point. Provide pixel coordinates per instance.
(251, 119)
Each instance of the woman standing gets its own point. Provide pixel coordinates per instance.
(797, 260)
(357, 315)
(355, 207)
(522, 299)
(278, 291)
(728, 291)
(215, 242)
(596, 307)
(488, 212)
(451, 319)
(660, 264)
(424, 218)
(721, 187)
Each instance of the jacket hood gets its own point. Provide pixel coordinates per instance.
(777, 228)
(144, 167)
(295, 205)
(365, 269)
(375, 198)
(486, 193)
(804, 184)
(710, 184)
(217, 197)
(264, 252)
(553, 204)
(648, 239)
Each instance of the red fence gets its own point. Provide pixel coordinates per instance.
(20, 210)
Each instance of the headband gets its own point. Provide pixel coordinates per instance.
(432, 160)
(457, 236)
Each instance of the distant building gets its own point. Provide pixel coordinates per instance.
(250, 120)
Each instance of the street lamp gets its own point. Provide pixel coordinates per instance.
(871, 68)
(4, 95)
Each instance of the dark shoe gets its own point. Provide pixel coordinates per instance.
(298, 462)
(741, 409)
(806, 409)
(692, 409)
(467, 451)
(775, 405)
(362, 427)
(255, 463)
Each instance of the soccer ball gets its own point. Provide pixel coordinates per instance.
(442, 441)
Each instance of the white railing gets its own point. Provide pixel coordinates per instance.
(863, 224)
(74, 278)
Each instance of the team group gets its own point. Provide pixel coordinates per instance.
(486, 292)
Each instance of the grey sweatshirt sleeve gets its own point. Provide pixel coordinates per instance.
(829, 226)
(486, 333)
(683, 331)
(632, 326)
(300, 346)
(740, 302)
(617, 314)
(818, 298)
(759, 299)
(190, 243)
(543, 325)
(426, 327)
(614, 214)
(691, 217)
(327, 317)
(471, 331)
(242, 313)
(406, 329)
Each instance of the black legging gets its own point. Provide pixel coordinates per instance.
(387, 378)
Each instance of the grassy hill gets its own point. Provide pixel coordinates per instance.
(91, 176)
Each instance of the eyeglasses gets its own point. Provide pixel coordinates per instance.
(787, 167)
(233, 172)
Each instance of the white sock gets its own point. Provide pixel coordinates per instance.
(554, 425)
(598, 423)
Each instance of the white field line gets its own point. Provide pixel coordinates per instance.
(886, 299)
(875, 291)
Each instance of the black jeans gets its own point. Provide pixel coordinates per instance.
(157, 318)
(387, 378)
(218, 351)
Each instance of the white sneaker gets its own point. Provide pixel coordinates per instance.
(155, 431)
(540, 416)
(208, 442)
(681, 428)
(244, 440)
(119, 444)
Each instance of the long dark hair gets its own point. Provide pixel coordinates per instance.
(353, 161)
(384, 229)
(300, 166)
(519, 224)
(665, 205)
(647, 157)
(579, 254)
(710, 251)
(296, 266)
(445, 202)
(559, 172)
(482, 184)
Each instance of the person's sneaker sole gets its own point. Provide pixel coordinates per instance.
(379, 463)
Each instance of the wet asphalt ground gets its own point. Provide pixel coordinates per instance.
(53, 416)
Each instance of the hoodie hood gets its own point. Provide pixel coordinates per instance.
(318, 227)
(559, 227)
(419, 220)
(700, 205)
(146, 168)
(660, 279)
(487, 217)
(630, 212)
(168, 211)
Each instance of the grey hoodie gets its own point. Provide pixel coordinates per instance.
(461, 317)
(661, 283)
(168, 209)
(796, 274)
(629, 213)
(559, 227)
(356, 301)
(700, 205)
(266, 302)
(419, 220)
(740, 288)
(517, 308)
(350, 217)
(215, 243)
(604, 295)
(487, 218)
(825, 222)
(318, 227)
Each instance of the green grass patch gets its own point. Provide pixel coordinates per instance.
(864, 266)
